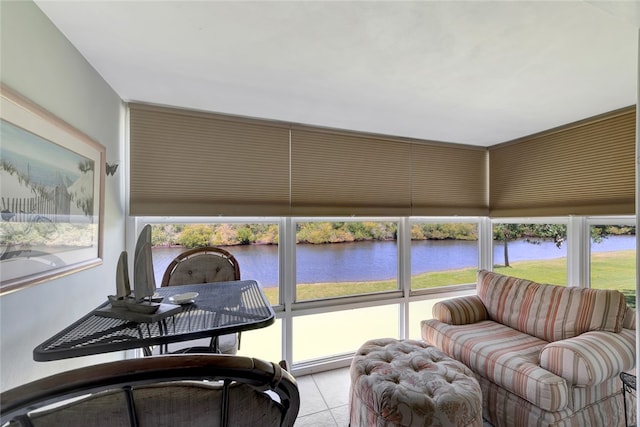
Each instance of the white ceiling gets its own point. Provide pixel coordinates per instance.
(473, 72)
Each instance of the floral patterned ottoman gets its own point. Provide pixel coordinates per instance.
(411, 383)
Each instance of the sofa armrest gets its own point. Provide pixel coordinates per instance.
(590, 358)
(629, 320)
(460, 311)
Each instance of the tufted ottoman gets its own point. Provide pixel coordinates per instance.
(410, 383)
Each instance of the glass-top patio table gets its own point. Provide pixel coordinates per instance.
(221, 308)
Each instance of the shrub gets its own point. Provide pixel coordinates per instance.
(194, 236)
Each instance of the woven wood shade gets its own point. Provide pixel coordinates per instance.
(587, 168)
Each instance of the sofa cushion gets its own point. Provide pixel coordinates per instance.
(504, 356)
(591, 358)
(549, 312)
(460, 311)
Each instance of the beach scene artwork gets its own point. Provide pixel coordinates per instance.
(47, 194)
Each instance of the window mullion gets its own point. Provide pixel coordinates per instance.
(404, 274)
(578, 252)
(485, 239)
(287, 284)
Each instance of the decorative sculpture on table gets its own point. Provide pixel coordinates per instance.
(123, 287)
(144, 282)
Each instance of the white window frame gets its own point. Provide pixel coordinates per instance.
(482, 237)
(572, 241)
(578, 267)
(600, 220)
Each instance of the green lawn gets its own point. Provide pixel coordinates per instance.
(609, 270)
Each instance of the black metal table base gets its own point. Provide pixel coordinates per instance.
(628, 388)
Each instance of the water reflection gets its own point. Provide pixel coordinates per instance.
(365, 261)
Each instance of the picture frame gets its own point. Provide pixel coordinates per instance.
(51, 195)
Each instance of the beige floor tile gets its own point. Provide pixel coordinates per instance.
(341, 415)
(311, 401)
(334, 386)
(319, 419)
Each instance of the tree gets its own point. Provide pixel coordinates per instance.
(245, 235)
(532, 233)
(195, 236)
(506, 233)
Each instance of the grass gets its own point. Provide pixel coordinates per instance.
(609, 270)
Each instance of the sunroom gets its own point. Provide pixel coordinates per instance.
(428, 183)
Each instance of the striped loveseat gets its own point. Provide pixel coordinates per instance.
(544, 355)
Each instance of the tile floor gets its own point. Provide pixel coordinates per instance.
(324, 399)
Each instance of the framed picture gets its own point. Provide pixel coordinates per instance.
(51, 195)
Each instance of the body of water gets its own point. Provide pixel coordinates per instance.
(365, 261)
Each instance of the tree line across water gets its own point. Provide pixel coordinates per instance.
(197, 235)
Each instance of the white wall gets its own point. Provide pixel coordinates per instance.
(41, 64)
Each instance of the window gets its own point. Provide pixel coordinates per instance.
(345, 258)
(324, 275)
(254, 245)
(341, 332)
(443, 253)
(263, 343)
(534, 251)
(613, 258)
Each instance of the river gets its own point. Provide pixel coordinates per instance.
(364, 261)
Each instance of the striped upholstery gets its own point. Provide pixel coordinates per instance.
(585, 396)
(590, 358)
(544, 355)
(505, 409)
(504, 356)
(549, 312)
(629, 321)
(460, 311)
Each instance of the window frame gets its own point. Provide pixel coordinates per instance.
(602, 220)
(479, 221)
(558, 220)
(578, 267)
(331, 301)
